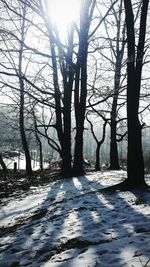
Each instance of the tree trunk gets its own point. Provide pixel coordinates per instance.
(21, 84)
(41, 156)
(22, 131)
(63, 123)
(78, 154)
(40, 150)
(38, 141)
(81, 86)
(68, 78)
(2, 163)
(135, 162)
(66, 150)
(97, 164)
(114, 159)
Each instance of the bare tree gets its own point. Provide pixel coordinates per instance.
(12, 66)
(86, 12)
(135, 162)
(118, 52)
(21, 84)
(98, 142)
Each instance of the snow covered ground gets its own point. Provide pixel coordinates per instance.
(21, 163)
(70, 223)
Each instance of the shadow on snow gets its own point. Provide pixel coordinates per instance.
(74, 218)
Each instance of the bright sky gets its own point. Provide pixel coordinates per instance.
(62, 13)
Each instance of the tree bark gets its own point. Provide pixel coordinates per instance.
(81, 85)
(21, 84)
(97, 163)
(68, 78)
(119, 52)
(2, 163)
(135, 162)
(38, 142)
(22, 130)
(114, 159)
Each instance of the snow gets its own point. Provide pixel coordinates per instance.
(71, 223)
(21, 163)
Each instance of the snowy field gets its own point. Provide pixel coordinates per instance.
(21, 163)
(71, 223)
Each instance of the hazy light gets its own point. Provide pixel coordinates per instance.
(63, 12)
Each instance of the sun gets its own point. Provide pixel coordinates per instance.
(63, 12)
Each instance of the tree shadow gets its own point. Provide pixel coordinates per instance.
(74, 218)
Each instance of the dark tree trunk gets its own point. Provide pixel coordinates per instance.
(98, 143)
(41, 155)
(66, 149)
(38, 141)
(97, 163)
(80, 117)
(21, 84)
(135, 162)
(78, 154)
(2, 163)
(57, 96)
(5, 171)
(63, 123)
(68, 78)
(119, 51)
(114, 159)
(40, 150)
(23, 135)
(81, 84)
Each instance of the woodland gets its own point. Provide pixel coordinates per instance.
(56, 80)
(74, 133)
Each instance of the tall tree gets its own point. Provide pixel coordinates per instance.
(63, 99)
(22, 93)
(135, 162)
(118, 52)
(86, 12)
